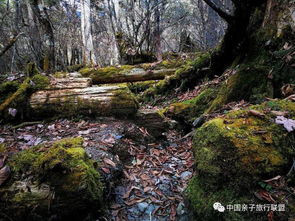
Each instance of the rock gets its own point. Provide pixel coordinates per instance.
(180, 209)
(60, 178)
(234, 152)
(185, 175)
(142, 206)
(152, 120)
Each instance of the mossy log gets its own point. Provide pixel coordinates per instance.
(55, 182)
(98, 101)
(100, 76)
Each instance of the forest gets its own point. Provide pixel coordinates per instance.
(147, 110)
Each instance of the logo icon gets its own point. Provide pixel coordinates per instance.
(218, 206)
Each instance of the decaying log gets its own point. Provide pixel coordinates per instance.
(98, 101)
(131, 76)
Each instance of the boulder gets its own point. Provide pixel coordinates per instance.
(234, 153)
(52, 182)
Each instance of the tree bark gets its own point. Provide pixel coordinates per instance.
(88, 49)
(236, 34)
(43, 18)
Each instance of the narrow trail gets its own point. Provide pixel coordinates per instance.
(145, 177)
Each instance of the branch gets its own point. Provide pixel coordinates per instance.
(10, 43)
(228, 18)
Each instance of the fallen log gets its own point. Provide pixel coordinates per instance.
(68, 83)
(97, 101)
(136, 74)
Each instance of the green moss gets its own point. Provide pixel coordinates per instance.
(191, 109)
(202, 200)
(250, 83)
(75, 67)
(31, 69)
(185, 77)
(235, 152)
(40, 82)
(60, 74)
(139, 87)
(124, 103)
(2, 148)
(18, 96)
(7, 88)
(66, 169)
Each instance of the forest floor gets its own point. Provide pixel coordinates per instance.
(145, 177)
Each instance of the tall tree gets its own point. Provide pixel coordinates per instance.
(236, 35)
(88, 49)
(41, 13)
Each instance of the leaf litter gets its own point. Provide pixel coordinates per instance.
(145, 178)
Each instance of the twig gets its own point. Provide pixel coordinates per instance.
(292, 168)
(27, 124)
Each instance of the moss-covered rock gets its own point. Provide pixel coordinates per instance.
(233, 153)
(52, 182)
(187, 111)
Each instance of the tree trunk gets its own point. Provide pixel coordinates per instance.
(43, 18)
(236, 35)
(88, 49)
(157, 33)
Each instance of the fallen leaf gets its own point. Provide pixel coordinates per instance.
(109, 162)
(172, 213)
(106, 170)
(116, 206)
(147, 189)
(134, 201)
(264, 195)
(256, 113)
(145, 177)
(127, 194)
